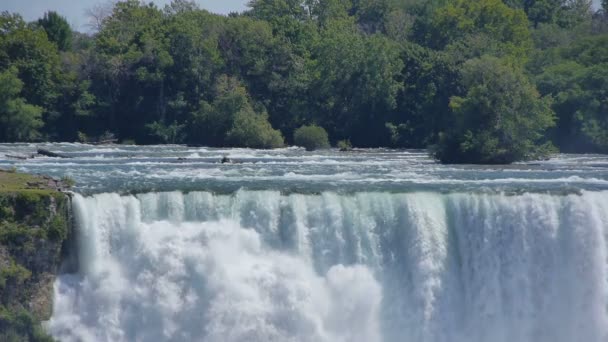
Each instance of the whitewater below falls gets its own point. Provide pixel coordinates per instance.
(288, 245)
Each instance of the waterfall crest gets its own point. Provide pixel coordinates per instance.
(263, 266)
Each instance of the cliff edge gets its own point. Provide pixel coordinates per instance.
(34, 228)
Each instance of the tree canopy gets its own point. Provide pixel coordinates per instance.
(489, 81)
(500, 119)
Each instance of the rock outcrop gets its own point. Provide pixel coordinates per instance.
(35, 226)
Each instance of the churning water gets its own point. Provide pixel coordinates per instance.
(373, 245)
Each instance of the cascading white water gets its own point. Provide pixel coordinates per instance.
(262, 266)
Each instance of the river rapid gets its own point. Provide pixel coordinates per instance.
(289, 245)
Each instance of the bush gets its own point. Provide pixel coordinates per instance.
(82, 137)
(20, 325)
(500, 120)
(58, 229)
(253, 130)
(344, 145)
(311, 137)
(68, 181)
(166, 134)
(15, 273)
(31, 207)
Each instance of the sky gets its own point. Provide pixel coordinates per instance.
(74, 10)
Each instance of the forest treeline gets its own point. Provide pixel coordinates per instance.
(484, 81)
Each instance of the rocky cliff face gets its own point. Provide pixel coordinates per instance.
(34, 230)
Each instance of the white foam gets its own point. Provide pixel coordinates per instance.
(261, 266)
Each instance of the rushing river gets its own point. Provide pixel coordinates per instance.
(369, 245)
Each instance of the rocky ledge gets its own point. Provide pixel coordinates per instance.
(35, 226)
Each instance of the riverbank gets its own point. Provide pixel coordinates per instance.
(35, 226)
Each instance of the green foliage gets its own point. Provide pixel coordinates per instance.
(355, 83)
(232, 120)
(32, 221)
(485, 26)
(376, 72)
(57, 29)
(400, 134)
(17, 325)
(565, 13)
(35, 58)
(253, 130)
(58, 229)
(500, 120)
(19, 121)
(82, 137)
(578, 81)
(311, 137)
(344, 145)
(171, 134)
(68, 181)
(13, 273)
(31, 206)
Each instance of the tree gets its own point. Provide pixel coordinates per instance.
(167, 134)
(232, 120)
(355, 85)
(564, 13)
(495, 22)
(19, 121)
(430, 78)
(132, 59)
(273, 68)
(500, 120)
(375, 72)
(250, 129)
(577, 78)
(57, 29)
(311, 137)
(193, 43)
(35, 58)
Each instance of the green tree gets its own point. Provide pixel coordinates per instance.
(576, 77)
(57, 29)
(232, 120)
(193, 39)
(565, 13)
(311, 137)
(35, 58)
(167, 134)
(500, 120)
(19, 121)
(132, 58)
(272, 68)
(250, 129)
(504, 29)
(355, 85)
(430, 78)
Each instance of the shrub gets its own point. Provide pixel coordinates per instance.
(20, 325)
(311, 137)
(58, 229)
(31, 206)
(13, 272)
(344, 145)
(82, 137)
(253, 130)
(167, 134)
(68, 181)
(500, 120)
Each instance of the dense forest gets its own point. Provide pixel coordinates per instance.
(485, 81)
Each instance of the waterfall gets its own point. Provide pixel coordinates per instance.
(266, 266)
